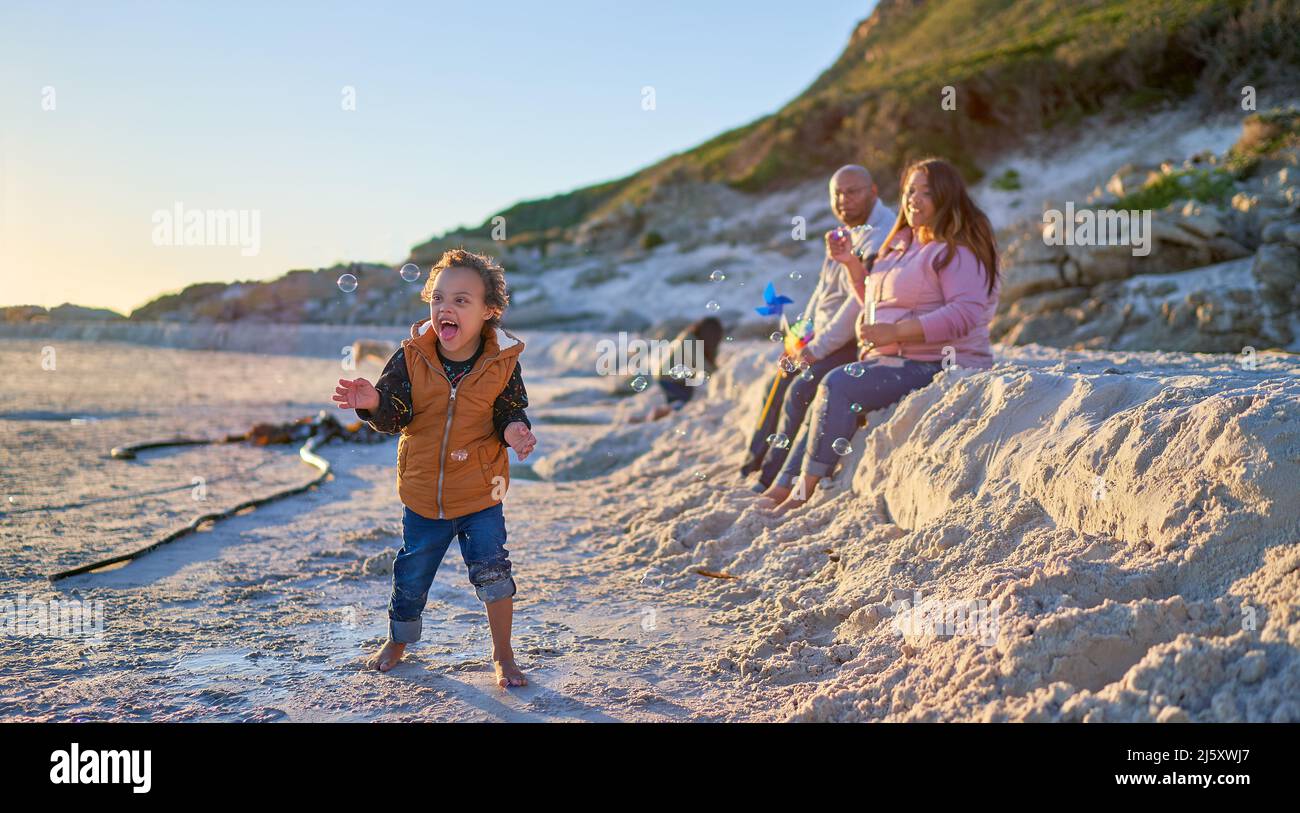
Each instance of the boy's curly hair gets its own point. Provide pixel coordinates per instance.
(492, 274)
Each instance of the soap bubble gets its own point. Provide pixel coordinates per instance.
(639, 383)
(807, 374)
(786, 363)
(841, 446)
(717, 275)
(460, 455)
(347, 283)
(700, 476)
(854, 370)
(777, 336)
(730, 339)
(796, 275)
(712, 306)
(777, 440)
(652, 578)
(855, 407)
(680, 371)
(410, 272)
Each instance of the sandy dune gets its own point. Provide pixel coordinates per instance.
(1125, 523)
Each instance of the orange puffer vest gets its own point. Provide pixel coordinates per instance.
(449, 454)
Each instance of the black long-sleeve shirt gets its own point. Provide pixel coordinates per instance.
(394, 387)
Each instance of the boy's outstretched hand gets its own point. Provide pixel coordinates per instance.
(358, 394)
(520, 438)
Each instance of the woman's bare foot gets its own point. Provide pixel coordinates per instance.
(388, 657)
(797, 498)
(508, 673)
(790, 504)
(774, 496)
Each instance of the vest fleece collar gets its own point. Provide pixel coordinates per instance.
(496, 341)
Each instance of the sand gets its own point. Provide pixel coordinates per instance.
(1127, 522)
(270, 615)
(966, 563)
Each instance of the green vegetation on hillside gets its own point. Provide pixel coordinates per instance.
(1017, 67)
(1263, 134)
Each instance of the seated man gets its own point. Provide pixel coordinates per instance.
(834, 311)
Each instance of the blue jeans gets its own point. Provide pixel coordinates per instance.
(787, 408)
(424, 542)
(878, 387)
(678, 393)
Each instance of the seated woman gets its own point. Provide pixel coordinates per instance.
(934, 286)
(833, 311)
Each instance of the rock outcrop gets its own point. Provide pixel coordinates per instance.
(1221, 275)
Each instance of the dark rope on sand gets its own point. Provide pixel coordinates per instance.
(307, 453)
(323, 429)
(129, 452)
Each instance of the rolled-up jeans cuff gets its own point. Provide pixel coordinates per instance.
(785, 479)
(817, 468)
(488, 593)
(405, 632)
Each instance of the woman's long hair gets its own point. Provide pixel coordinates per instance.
(957, 220)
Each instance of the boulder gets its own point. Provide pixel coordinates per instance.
(1100, 263)
(1225, 248)
(1275, 232)
(1002, 323)
(1022, 279)
(1244, 202)
(1162, 229)
(1048, 301)
(1055, 329)
(1204, 222)
(1031, 247)
(1277, 267)
(1130, 178)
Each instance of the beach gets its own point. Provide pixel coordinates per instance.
(269, 615)
(1122, 525)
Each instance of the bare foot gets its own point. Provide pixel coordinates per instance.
(388, 657)
(790, 504)
(773, 497)
(508, 673)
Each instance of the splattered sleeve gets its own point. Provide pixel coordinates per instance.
(510, 404)
(394, 388)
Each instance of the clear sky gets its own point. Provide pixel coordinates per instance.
(111, 112)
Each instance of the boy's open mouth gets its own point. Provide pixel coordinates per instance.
(447, 329)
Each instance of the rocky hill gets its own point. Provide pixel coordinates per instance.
(1223, 272)
(638, 251)
(1015, 69)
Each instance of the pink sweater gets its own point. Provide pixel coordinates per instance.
(953, 305)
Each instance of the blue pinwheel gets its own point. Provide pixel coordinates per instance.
(775, 304)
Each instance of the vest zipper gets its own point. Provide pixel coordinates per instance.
(451, 408)
(446, 433)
